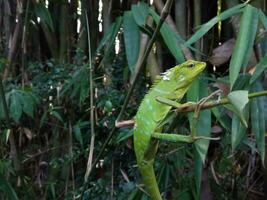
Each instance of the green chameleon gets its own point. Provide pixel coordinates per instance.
(151, 114)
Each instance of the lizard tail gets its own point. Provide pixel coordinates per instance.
(149, 179)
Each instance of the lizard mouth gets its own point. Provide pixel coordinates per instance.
(202, 66)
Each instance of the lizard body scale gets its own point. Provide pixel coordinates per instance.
(147, 131)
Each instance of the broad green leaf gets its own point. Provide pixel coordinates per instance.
(43, 13)
(260, 67)
(244, 44)
(15, 105)
(238, 129)
(258, 120)
(207, 26)
(169, 38)
(239, 100)
(131, 39)
(7, 188)
(140, 13)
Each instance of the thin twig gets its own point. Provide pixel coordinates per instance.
(92, 142)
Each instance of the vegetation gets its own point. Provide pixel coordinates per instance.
(71, 69)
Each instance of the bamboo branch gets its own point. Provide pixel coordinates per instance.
(192, 107)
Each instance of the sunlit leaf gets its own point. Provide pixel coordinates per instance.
(239, 100)
(244, 44)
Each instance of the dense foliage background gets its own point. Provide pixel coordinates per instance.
(61, 94)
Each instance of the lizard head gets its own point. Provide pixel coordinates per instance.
(185, 73)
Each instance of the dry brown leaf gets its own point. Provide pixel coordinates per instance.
(221, 54)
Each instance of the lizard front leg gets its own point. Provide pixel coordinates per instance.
(179, 138)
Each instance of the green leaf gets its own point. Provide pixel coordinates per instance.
(199, 90)
(111, 40)
(140, 13)
(105, 38)
(7, 188)
(124, 134)
(169, 38)
(15, 105)
(207, 26)
(222, 118)
(239, 99)
(258, 120)
(57, 115)
(198, 166)
(238, 129)
(244, 44)
(260, 67)
(263, 19)
(78, 134)
(27, 104)
(131, 39)
(43, 13)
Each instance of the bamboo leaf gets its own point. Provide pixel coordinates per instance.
(78, 134)
(260, 67)
(140, 13)
(131, 39)
(258, 120)
(263, 19)
(57, 115)
(15, 105)
(43, 13)
(198, 90)
(169, 38)
(207, 26)
(7, 188)
(239, 100)
(244, 43)
(238, 129)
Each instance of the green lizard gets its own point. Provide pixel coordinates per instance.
(172, 86)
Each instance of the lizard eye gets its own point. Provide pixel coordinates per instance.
(190, 66)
